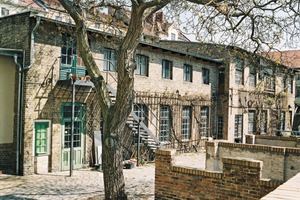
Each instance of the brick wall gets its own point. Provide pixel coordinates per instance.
(15, 34)
(280, 163)
(292, 142)
(240, 179)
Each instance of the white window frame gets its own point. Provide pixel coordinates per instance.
(186, 122)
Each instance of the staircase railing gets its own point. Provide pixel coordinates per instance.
(109, 75)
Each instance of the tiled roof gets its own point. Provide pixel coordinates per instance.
(289, 58)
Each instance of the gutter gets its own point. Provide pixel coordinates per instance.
(22, 69)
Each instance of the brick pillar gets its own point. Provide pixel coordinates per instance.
(163, 166)
(243, 177)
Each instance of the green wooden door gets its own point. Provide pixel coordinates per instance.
(78, 138)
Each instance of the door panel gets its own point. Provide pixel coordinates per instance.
(78, 139)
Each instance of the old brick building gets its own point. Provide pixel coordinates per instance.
(167, 94)
(256, 95)
(182, 94)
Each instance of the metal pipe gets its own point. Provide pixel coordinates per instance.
(72, 126)
(138, 144)
(38, 21)
(19, 110)
(22, 69)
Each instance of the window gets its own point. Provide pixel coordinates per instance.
(173, 36)
(220, 127)
(97, 25)
(269, 82)
(282, 121)
(141, 110)
(238, 127)
(187, 73)
(69, 59)
(68, 49)
(164, 123)
(252, 78)
(289, 85)
(79, 116)
(239, 71)
(204, 121)
(251, 122)
(268, 76)
(4, 12)
(205, 75)
(142, 65)
(221, 86)
(186, 123)
(41, 136)
(109, 60)
(58, 18)
(167, 68)
(263, 121)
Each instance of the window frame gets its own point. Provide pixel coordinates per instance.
(251, 122)
(204, 121)
(109, 62)
(142, 65)
(238, 126)
(4, 12)
(165, 122)
(239, 71)
(167, 70)
(282, 118)
(205, 75)
(220, 124)
(252, 77)
(186, 122)
(263, 121)
(188, 73)
(289, 85)
(48, 140)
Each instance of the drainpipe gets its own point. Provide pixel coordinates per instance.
(22, 69)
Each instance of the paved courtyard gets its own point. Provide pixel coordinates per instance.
(87, 183)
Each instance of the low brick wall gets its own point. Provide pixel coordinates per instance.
(292, 142)
(280, 163)
(240, 179)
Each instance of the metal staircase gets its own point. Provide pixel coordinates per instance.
(134, 122)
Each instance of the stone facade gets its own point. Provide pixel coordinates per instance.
(266, 91)
(240, 179)
(45, 94)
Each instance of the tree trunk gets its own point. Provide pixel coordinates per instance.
(112, 158)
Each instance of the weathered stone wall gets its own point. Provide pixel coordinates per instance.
(240, 179)
(280, 163)
(292, 142)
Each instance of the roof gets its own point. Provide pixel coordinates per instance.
(197, 56)
(289, 58)
(162, 47)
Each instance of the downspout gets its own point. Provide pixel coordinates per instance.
(22, 69)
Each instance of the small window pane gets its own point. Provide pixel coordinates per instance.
(187, 73)
(167, 69)
(205, 75)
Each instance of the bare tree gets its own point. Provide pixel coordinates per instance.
(258, 22)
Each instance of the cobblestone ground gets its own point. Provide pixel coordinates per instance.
(86, 183)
